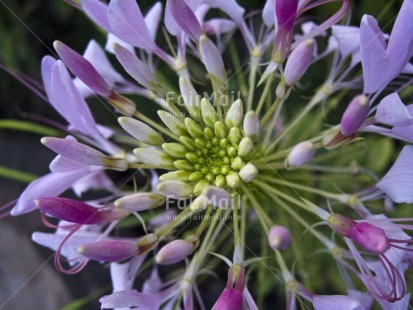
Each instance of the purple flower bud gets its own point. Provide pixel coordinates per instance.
(279, 238)
(211, 57)
(354, 115)
(299, 61)
(300, 154)
(174, 252)
(285, 11)
(83, 69)
(370, 237)
(109, 250)
(230, 299)
(78, 212)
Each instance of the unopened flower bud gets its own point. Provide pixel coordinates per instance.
(74, 211)
(140, 201)
(246, 146)
(217, 196)
(154, 157)
(199, 203)
(194, 129)
(234, 135)
(251, 125)
(354, 115)
(177, 175)
(336, 139)
(300, 154)
(279, 238)
(341, 224)
(174, 149)
(109, 250)
(174, 124)
(175, 189)
(220, 130)
(233, 179)
(147, 243)
(299, 61)
(140, 131)
(235, 114)
(370, 237)
(248, 172)
(122, 104)
(191, 99)
(209, 115)
(174, 252)
(212, 59)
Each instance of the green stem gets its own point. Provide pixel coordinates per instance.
(204, 222)
(252, 82)
(262, 215)
(175, 222)
(264, 93)
(303, 187)
(270, 111)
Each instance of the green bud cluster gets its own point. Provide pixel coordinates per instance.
(211, 151)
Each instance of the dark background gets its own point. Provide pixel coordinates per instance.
(27, 31)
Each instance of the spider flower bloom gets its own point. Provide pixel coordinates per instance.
(380, 236)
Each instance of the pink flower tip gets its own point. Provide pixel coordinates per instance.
(230, 299)
(370, 237)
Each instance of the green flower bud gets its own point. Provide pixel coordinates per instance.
(248, 172)
(183, 164)
(220, 181)
(200, 143)
(191, 99)
(187, 142)
(237, 163)
(196, 176)
(209, 115)
(177, 175)
(193, 128)
(175, 189)
(209, 133)
(176, 150)
(154, 157)
(140, 131)
(233, 179)
(200, 186)
(234, 135)
(192, 157)
(246, 146)
(173, 123)
(220, 130)
(235, 114)
(201, 202)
